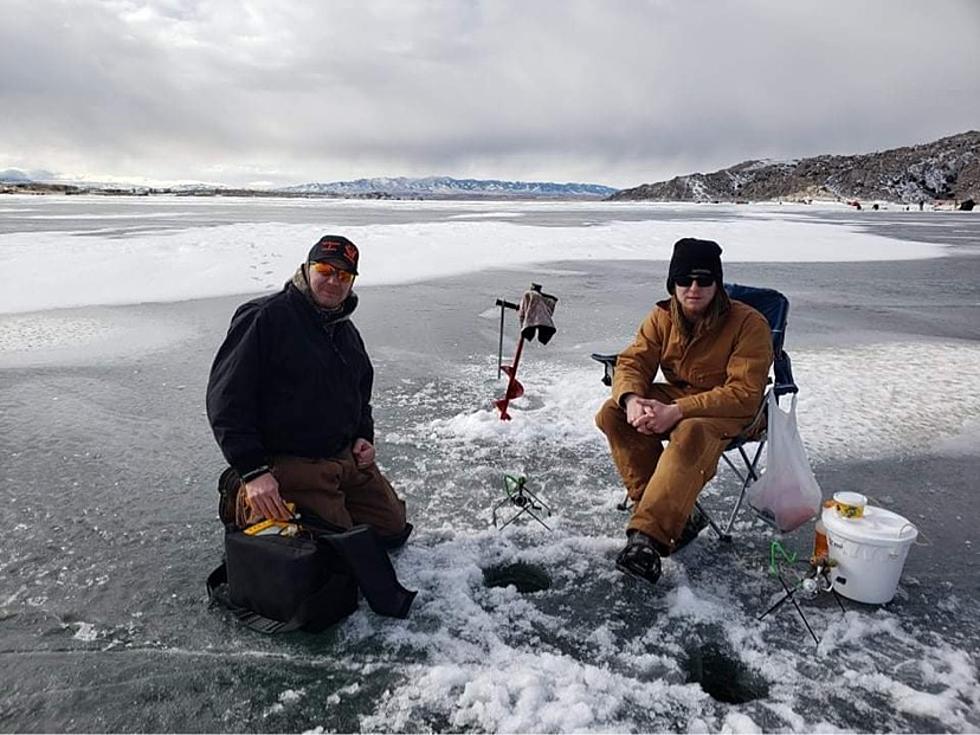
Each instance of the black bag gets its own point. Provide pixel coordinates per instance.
(276, 584)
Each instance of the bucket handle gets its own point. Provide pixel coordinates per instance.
(908, 524)
(928, 541)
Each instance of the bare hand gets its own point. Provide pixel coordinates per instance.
(649, 416)
(263, 497)
(363, 452)
(665, 417)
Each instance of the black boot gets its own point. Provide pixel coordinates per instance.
(695, 524)
(640, 558)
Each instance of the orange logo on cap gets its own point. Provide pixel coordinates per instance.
(351, 252)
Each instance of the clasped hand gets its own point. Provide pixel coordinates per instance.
(650, 416)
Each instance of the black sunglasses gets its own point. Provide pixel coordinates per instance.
(686, 281)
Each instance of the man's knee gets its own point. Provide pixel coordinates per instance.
(610, 416)
(696, 431)
(377, 504)
(697, 443)
(389, 521)
(391, 517)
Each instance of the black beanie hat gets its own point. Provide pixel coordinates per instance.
(691, 254)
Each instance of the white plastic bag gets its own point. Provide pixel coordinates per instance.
(787, 492)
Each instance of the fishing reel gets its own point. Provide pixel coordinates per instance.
(517, 494)
(817, 578)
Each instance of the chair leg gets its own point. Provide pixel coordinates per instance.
(722, 535)
(748, 479)
(750, 466)
(733, 467)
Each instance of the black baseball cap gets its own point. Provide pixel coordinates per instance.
(335, 249)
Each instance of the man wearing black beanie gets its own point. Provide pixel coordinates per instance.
(715, 355)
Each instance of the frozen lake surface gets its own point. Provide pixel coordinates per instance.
(108, 470)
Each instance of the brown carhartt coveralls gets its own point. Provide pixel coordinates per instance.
(336, 490)
(717, 380)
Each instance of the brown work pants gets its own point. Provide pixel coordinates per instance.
(664, 483)
(337, 491)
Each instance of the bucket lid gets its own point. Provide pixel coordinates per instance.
(878, 526)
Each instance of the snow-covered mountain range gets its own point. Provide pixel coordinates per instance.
(446, 187)
(944, 170)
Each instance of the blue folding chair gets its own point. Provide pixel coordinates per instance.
(774, 306)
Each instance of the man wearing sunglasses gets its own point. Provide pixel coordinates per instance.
(289, 400)
(715, 355)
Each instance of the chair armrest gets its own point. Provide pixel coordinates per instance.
(783, 370)
(608, 361)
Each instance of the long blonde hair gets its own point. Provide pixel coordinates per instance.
(713, 316)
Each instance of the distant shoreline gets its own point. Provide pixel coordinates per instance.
(39, 189)
(45, 189)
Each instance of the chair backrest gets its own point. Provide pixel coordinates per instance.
(775, 308)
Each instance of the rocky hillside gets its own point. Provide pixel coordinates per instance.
(946, 170)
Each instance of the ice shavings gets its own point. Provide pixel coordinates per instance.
(453, 450)
(336, 697)
(854, 402)
(85, 632)
(291, 696)
(597, 651)
(736, 722)
(558, 407)
(286, 698)
(496, 660)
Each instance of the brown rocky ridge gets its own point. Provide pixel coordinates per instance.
(946, 170)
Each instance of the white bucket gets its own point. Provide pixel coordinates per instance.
(870, 552)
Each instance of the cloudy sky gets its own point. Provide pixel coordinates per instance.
(617, 92)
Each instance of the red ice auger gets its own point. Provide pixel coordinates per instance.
(535, 316)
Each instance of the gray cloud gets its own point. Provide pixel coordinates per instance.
(608, 91)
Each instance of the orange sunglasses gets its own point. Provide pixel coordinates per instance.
(325, 269)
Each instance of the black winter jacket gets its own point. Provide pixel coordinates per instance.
(288, 381)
